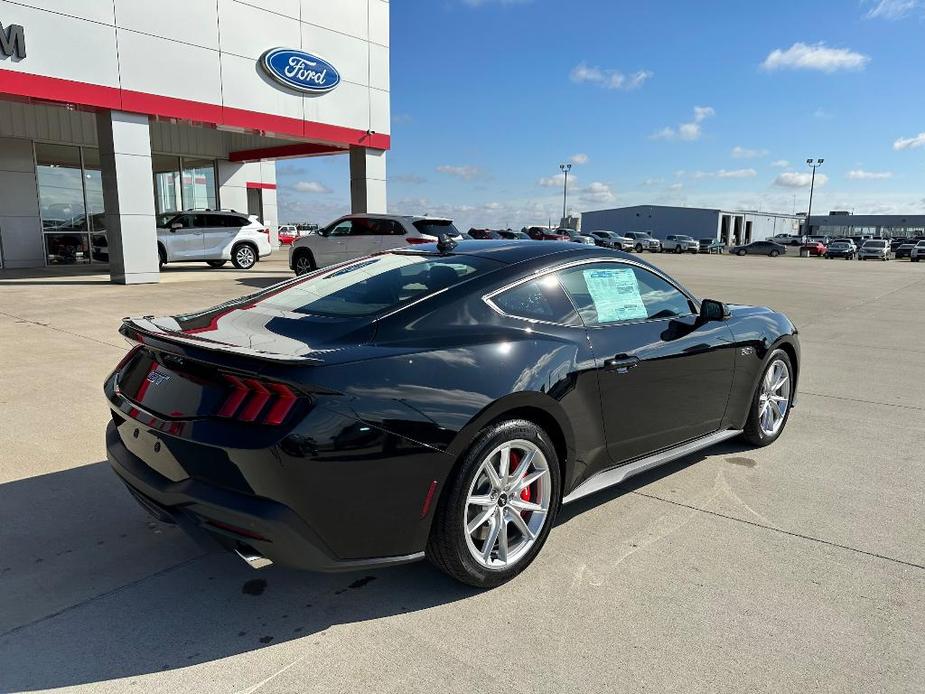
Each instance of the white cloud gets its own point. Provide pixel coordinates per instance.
(822, 114)
(410, 178)
(797, 179)
(652, 181)
(556, 181)
(466, 172)
(676, 186)
(686, 131)
(745, 153)
(724, 173)
(608, 79)
(780, 163)
(580, 158)
(861, 175)
(909, 142)
(311, 187)
(818, 56)
(892, 9)
(597, 192)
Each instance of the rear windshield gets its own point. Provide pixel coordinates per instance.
(433, 227)
(374, 285)
(875, 244)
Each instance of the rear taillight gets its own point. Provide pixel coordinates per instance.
(247, 399)
(417, 239)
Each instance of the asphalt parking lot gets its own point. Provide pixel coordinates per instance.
(798, 567)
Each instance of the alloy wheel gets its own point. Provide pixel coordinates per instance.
(774, 398)
(303, 264)
(245, 256)
(507, 504)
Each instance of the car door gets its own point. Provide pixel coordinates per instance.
(329, 247)
(364, 238)
(184, 238)
(664, 374)
(218, 232)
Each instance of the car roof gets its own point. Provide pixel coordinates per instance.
(396, 217)
(505, 251)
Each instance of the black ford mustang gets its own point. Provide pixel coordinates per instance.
(440, 400)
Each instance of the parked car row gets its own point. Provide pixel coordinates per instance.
(824, 247)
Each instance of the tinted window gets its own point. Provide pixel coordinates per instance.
(607, 293)
(388, 227)
(341, 229)
(377, 284)
(364, 227)
(541, 299)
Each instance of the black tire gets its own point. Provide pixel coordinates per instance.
(303, 262)
(774, 254)
(741, 252)
(244, 256)
(677, 249)
(753, 432)
(638, 248)
(914, 260)
(216, 263)
(447, 547)
(161, 256)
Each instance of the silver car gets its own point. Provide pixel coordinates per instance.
(680, 244)
(356, 235)
(918, 252)
(879, 249)
(611, 239)
(643, 241)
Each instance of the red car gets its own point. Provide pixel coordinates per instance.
(287, 234)
(815, 248)
(544, 234)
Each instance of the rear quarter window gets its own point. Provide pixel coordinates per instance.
(376, 285)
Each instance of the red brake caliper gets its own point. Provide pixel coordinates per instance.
(525, 492)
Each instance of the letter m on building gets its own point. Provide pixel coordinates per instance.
(13, 41)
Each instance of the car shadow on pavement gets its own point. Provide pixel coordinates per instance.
(576, 508)
(92, 590)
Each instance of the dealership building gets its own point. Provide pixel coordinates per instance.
(730, 227)
(116, 113)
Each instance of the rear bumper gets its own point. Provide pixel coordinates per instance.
(239, 522)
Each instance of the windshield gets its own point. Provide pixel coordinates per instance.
(433, 227)
(375, 284)
(838, 246)
(875, 244)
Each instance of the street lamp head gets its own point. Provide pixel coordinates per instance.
(819, 161)
(809, 161)
(565, 167)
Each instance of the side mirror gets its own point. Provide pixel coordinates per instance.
(176, 225)
(711, 309)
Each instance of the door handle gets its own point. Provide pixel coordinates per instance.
(621, 363)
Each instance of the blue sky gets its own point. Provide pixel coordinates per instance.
(680, 103)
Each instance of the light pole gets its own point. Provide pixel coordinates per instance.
(564, 168)
(812, 185)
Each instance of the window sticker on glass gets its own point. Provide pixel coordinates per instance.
(615, 293)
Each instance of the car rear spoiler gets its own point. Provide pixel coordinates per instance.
(144, 331)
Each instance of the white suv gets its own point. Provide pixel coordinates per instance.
(680, 244)
(356, 235)
(917, 252)
(213, 236)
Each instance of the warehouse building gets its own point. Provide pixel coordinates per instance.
(730, 227)
(115, 113)
(846, 224)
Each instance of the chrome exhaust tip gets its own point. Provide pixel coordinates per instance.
(253, 558)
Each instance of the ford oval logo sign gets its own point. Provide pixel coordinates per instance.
(300, 70)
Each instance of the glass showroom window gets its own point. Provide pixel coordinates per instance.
(167, 193)
(67, 190)
(199, 184)
(183, 184)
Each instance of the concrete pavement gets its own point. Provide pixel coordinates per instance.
(796, 567)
